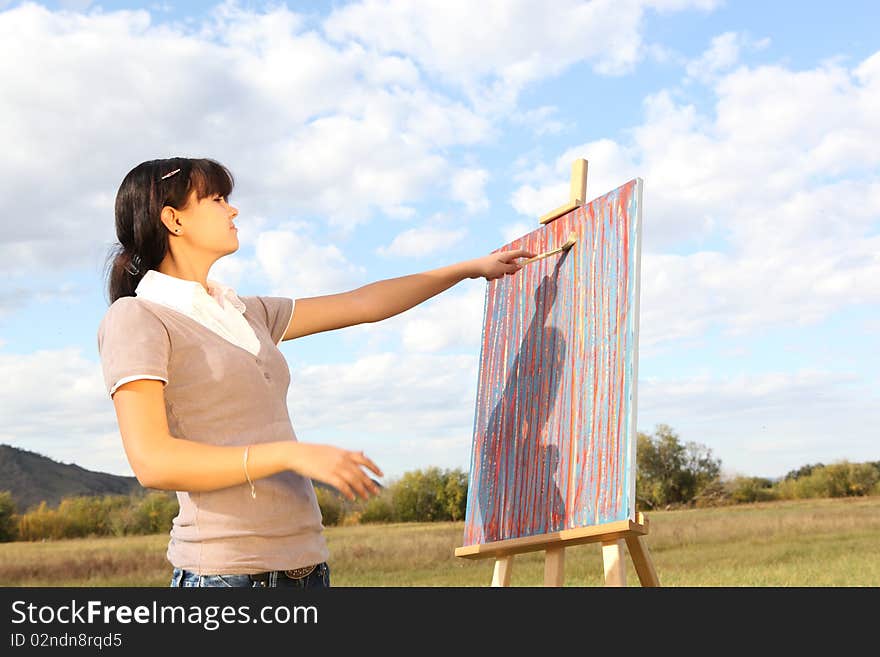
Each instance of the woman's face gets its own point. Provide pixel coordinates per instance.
(207, 224)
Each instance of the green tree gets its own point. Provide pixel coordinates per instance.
(803, 471)
(89, 515)
(669, 472)
(40, 523)
(844, 479)
(453, 496)
(378, 508)
(751, 489)
(331, 505)
(425, 496)
(416, 497)
(8, 519)
(155, 511)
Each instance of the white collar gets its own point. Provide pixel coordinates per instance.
(184, 295)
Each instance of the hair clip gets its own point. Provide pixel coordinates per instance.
(169, 174)
(134, 265)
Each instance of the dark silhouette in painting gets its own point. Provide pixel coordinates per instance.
(518, 488)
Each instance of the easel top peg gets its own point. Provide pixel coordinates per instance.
(577, 195)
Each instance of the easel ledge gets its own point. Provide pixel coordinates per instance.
(609, 531)
(612, 535)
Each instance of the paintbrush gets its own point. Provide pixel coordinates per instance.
(572, 238)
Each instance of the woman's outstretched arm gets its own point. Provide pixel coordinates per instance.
(392, 296)
(386, 298)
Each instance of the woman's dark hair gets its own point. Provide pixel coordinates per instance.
(143, 238)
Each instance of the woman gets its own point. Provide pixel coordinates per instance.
(200, 387)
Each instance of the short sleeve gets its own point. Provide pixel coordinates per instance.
(276, 312)
(133, 344)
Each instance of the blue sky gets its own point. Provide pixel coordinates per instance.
(376, 139)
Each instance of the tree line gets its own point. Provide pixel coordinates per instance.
(670, 474)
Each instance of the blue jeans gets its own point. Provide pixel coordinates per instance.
(318, 578)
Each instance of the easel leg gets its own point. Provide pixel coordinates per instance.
(642, 561)
(554, 566)
(503, 566)
(615, 566)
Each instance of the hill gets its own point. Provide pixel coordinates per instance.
(32, 478)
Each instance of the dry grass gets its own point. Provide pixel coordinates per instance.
(128, 561)
(796, 543)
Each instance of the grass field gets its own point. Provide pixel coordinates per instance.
(833, 542)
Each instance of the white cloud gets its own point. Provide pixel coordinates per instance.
(493, 50)
(376, 393)
(298, 266)
(233, 270)
(541, 120)
(75, 5)
(516, 230)
(469, 187)
(723, 53)
(678, 5)
(418, 242)
(537, 201)
(13, 299)
(451, 321)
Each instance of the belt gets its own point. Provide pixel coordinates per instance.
(293, 573)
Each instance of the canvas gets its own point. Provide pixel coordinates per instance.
(554, 440)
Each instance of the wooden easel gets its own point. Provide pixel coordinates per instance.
(612, 535)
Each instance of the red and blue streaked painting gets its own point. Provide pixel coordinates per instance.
(554, 444)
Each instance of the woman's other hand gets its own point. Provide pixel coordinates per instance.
(341, 468)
